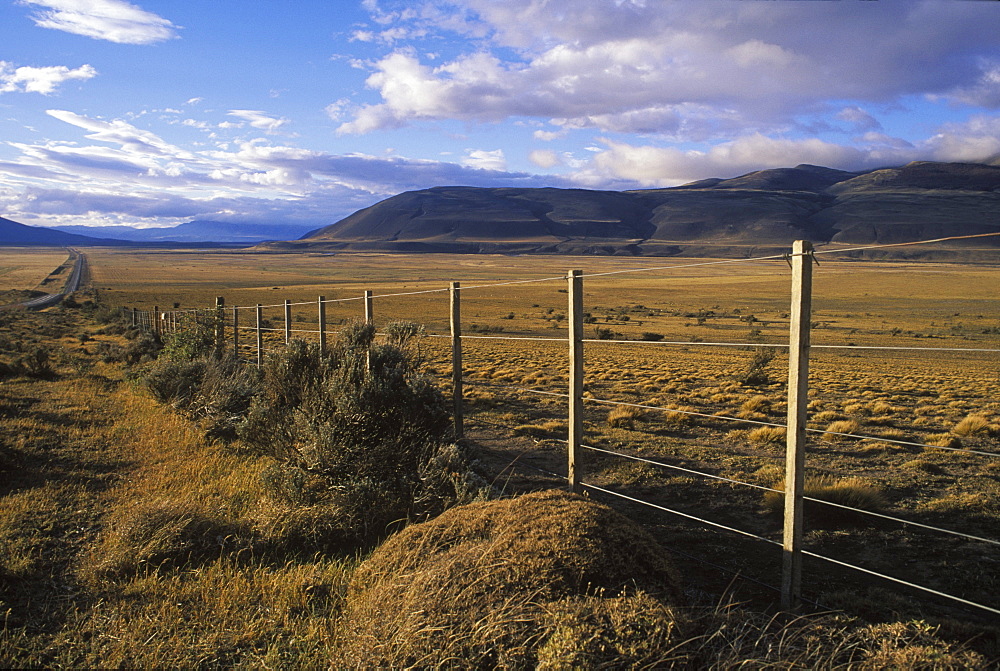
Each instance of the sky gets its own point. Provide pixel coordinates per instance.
(158, 112)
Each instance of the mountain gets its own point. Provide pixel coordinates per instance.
(921, 200)
(15, 234)
(197, 231)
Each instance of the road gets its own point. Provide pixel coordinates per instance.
(72, 284)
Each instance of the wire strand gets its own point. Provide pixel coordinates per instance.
(679, 513)
(902, 582)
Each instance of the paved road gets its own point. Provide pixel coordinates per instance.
(72, 284)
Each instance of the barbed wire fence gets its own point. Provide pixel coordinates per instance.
(249, 322)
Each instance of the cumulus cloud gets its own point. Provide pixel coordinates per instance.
(42, 80)
(260, 120)
(480, 159)
(111, 20)
(668, 166)
(680, 67)
(544, 158)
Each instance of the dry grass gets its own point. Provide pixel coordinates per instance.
(541, 579)
(972, 425)
(900, 396)
(625, 417)
(850, 492)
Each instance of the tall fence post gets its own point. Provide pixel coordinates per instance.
(135, 316)
(795, 439)
(236, 331)
(220, 326)
(575, 379)
(369, 308)
(260, 335)
(456, 356)
(156, 320)
(321, 316)
(288, 321)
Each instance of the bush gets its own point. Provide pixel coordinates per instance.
(756, 373)
(359, 416)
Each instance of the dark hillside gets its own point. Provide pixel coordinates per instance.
(767, 208)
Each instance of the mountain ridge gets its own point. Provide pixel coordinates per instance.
(770, 208)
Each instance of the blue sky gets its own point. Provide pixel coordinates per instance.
(156, 112)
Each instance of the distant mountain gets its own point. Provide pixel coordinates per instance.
(198, 231)
(15, 234)
(917, 201)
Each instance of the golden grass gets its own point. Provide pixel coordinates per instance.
(972, 425)
(852, 492)
(26, 268)
(544, 578)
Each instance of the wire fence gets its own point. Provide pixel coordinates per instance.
(246, 331)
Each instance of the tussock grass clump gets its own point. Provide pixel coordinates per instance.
(547, 578)
(852, 492)
(838, 427)
(972, 425)
(548, 429)
(624, 417)
(942, 440)
(828, 416)
(766, 435)
(758, 403)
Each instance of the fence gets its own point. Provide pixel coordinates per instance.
(800, 353)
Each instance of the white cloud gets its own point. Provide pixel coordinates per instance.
(669, 166)
(684, 69)
(111, 20)
(260, 120)
(480, 159)
(860, 120)
(548, 135)
(544, 158)
(42, 80)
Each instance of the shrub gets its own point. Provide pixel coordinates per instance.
(36, 363)
(650, 336)
(360, 416)
(756, 372)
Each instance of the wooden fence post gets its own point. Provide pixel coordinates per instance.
(369, 308)
(236, 331)
(220, 326)
(156, 319)
(288, 321)
(456, 357)
(260, 335)
(795, 439)
(321, 316)
(575, 379)
(135, 316)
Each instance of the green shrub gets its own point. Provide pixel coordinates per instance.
(756, 372)
(359, 416)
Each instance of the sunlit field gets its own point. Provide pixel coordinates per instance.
(23, 269)
(917, 409)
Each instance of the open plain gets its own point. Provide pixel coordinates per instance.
(677, 377)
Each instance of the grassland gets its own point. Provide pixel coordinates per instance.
(114, 459)
(26, 271)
